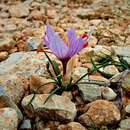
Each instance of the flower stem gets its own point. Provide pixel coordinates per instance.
(64, 63)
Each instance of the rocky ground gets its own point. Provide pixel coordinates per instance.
(102, 103)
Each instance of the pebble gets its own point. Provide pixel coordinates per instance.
(26, 124)
(58, 108)
(108, 93)
(3, 55)
(101, 112)
(90, 92)
(8, 119)
(127, 109)
(125, 124)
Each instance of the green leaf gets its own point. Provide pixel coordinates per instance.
(56, 69)
(51, 63)
(124, 63)
(56, 66)
(48, 70)
(69, 86)
(107, 75)
(94, 65)
(105, 60)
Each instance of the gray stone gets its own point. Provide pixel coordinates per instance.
(127, 109)
(121, 129)
(90, 92)
(19, 63)
(5, 101)
(14, 85)
(26, 124)
(127, 40)
(58, 108)
(4, 15)
(125, 124)
(3, 55)
(8, 119)
(120, 76)
(122, 51)
(18, 68)
(126, 82)
(10, 27)
(108, 93)
(78, 72)
(33, 43)
(19, 10)
(111, 69)
(6, 44)
(71, 126)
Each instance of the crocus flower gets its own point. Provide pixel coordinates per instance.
(63, 51)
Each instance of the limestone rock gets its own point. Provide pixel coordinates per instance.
(58, 108)
(3, 55)
(126, 82)
(102, 52)
(17, 69)
(5, 101)
(125, 124)
(122, 51)
(8, 119)
(100, 112)
(127, 109)
(14, 85)
(108, 93)
(6, 44)
(33, 43)
(4, 14)
(85, 55)
(120, 76)
(10, 27)
(78, 72)
(19, 10)
(111, 69)
(98, 78)
(49, 125)
(72, 126)
(90, 92)
(26, 124)
(128, 40)
(36, 15)
(67, 94)
(37, 84)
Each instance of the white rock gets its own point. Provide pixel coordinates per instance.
(58, 108)
(8, 119)
(108, 93)
(19, 10)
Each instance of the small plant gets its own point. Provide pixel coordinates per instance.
(64, 52)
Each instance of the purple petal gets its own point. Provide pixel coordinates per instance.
(46, 41)
(75, 47)
(50, 33)
(71, 36)
(55, 43)
(58, 47)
